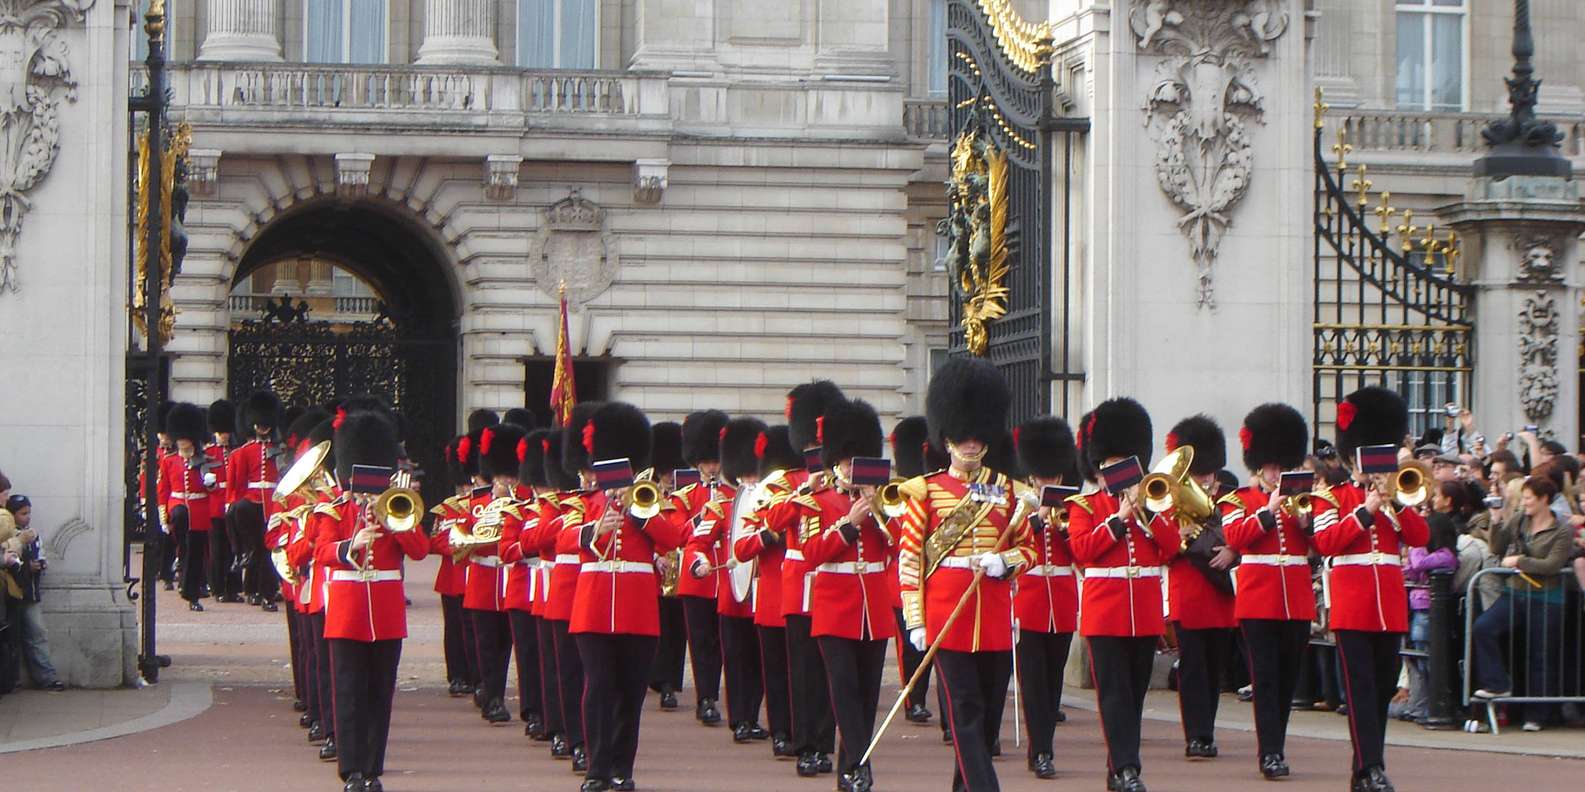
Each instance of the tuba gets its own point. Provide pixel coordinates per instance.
(307, 472)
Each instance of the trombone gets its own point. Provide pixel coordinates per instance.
(1407, 487)
(888, 500)
(642, 500)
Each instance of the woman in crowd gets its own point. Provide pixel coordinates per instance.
(1447, 504)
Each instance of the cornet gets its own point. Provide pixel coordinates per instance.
(643, 500)
(1407, 487)
(398, 509)
(1298, 505)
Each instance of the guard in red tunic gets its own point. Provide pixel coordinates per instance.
(960, 521)
(251, 473)
(851, 596)
(562, 541)
(486, 587)
(616, 615)
(170, 544)
(365, 608)
(225, 562)
(665, 677)
(1361, 532)
(188, 489)
(550, 487)
(450, 577)
(1120, 555)
(912, 456)
(701, 448)
(1274, 603)
(1200, 590)
(311, 598)
(521, 576)
(1046, 597)
(710, 548)
(289, 522)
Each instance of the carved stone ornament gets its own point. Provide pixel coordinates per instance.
(1199, 109)
(573, 247)
(35, 77)
(61, 538)
(352, 174)
(501, 176)
(1537, 263)
(1538, 333)
(649, 180)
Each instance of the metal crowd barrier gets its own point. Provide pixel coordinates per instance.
(1562, 668)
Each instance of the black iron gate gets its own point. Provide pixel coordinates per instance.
(314, 363)
(1005, 221)
(1389, 306)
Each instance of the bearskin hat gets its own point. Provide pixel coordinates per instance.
(908, 441)
(1204, 435)
(805, 404)
(1046, 449)
(302, 428)
(849, 429)
(1371, 415)
(521, 416)
(498, 449)
(261, 409)
(620, 431)
(739, 438)
(531, 458)
(1002, 456)
(222, 417)
(456, 475)
(574, 454)
(775, 451)
(1117, 427)
(478, 419)
(665, 453)
(163, 412)
(701, 436)
(185, 421)
(555, 474)
(365, 437)
(968, 398)
(1274, 433)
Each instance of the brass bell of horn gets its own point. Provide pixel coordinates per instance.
(1409, 485)
(889, 500)
(399, 509)
(643, 500)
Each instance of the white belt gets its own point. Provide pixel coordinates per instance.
(1050, 570)
(567, 558)
(369, 576)
(794, 554)
(190, 495)
(1122, 572)
(486, 561)
(1367, 559)
(618, 566)
(958, 562)
(261, 485)
(531, 563)
(1275, 559)
(852, 567)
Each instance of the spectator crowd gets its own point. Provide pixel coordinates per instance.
(24, 643)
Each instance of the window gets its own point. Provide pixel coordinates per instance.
(937, 67)
(1428, 394)
(943, 248)
(557, 34)
(1431, 45)
(344, 31)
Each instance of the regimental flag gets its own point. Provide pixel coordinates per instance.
(1377, 459)
(1122, 475)
(563, 391)
(613, 474)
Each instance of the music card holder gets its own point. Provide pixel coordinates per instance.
(479, 492)
(812, 461)
(1122, 475)
(370, 479)
(871, 471)
(1296, 482)
(1056, 496)
(613, 474)
(1376, 459)
(682, 477)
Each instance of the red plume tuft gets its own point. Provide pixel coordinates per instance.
(1345, 414)
(1172, 442)
(522, 451)
(891, 440)
(1016, 431)
(464, 447)
(544, 446)
(722, 434)
(487, 440)
(760, 444)
(1245, 437)
(341, 418)
(588, 438)
(820, 430)
(788, 409)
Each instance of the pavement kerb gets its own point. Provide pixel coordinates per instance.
(187, 700)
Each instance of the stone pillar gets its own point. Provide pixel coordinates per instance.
(676, 35)
(242, 30)
(459, 32)
(1521, 246)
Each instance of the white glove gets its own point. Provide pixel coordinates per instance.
(700, 566)
(994, 565)
(209, 479)
(916, 636)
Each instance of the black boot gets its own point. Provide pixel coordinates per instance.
(1041, 765)
(668, 698)
(1200, 749)
(823, 762)
(355, 783)
(917, 714)
(595, 785)
(327, 752)
(559, 748)
(780, 747)
(316, 732)
(740, 732)
(534, 727)
(496, 713)
(1126, 780)
(304, 720)
(861, 780)
(808, 766)
(1378, 780)
(707, 713)
(1273, 766)
(580, 760)
(623, 784)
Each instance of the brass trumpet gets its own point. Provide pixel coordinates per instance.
(1298, 505)
(643, 500)
(1408, 485)
(399, 509)
(888, 500)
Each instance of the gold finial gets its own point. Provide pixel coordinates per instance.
(1407, 229)
(1363, 185)
(1342, 148)
(1320, 108)
(1384, 214)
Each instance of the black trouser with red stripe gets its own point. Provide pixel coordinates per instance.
(740, 659)
(975, 684)
(1120, 668)
(525, 650)
(1201, 657)
(550, 678)
(704, 645)
(1042, 659)
(492, 633)
(666, 671)
(1370, 678)
(616, 670)
(853, 673)
(223, 582)
(773, 675)
(570, 666)
(814, 725)
(307, 656)
(1275, 648)
(365, 683)
(294, 647)
(327, 696)
(458, 641)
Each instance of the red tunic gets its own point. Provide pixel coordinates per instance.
(559, 541)
(618, 591)
(522, 570)
(183, 485)
(1046, 596)
(450, 577)
(218, 459)
(687, 504)
(531, 545)
(1273, 577)
(302, 552)
(767, 593)
(364, 600)
(1192, 601)
(251, 475)
(851, 596)
(282, 527)
(1365, 571)
(484, 590)
(1122, 578)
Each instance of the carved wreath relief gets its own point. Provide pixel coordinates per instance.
(1198, 111)
(1538, 330)
(35, 76)
(573, 248)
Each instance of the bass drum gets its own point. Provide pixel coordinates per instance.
(741, 575)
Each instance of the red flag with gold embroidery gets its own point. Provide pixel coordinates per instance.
(563, 392)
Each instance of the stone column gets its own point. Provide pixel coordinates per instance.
(1521, 246)
(459, 32)
(242, 30)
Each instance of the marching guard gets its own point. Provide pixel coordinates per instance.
(188, 497)
(225, 557)
(558, 542)
(913, 456)
(1274, 602)
(251, 474)
(1361, 528)
(701, 448)
(965, 534)
(665, 677)
(519, 514)
(451, 577)
(485, 599)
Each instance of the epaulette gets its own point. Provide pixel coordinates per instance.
(806, 501)
(1231, 499)
(330, 510)
(572, 501)
(777, 478)
(716, 508)
(684, 492)
(1080, 501)
(1020, 489)
(914, 489)
(806, 488)
(1326, 495)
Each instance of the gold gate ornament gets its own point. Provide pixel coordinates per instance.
(977, 231)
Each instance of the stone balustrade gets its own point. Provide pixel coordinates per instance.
(1432, 133)
(926, 119)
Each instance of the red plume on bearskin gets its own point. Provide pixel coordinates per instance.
(487, 440)
(778, 453)
(1244, 438)
(1117, 428)
(575, 447)
(341, 416)
(522, 450)
(464, 448)
(701, 436)
(621, 431)
(737, 447)
(1173, 442)
(759, 446)
(588, 438)
(531, 458)
(1204, 435)
(498, 451)
(1345, 415)
(1274, 433)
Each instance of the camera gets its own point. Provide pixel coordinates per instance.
(1531, 428)
(1452, 409)
(1479, 439)
(1493, 501)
